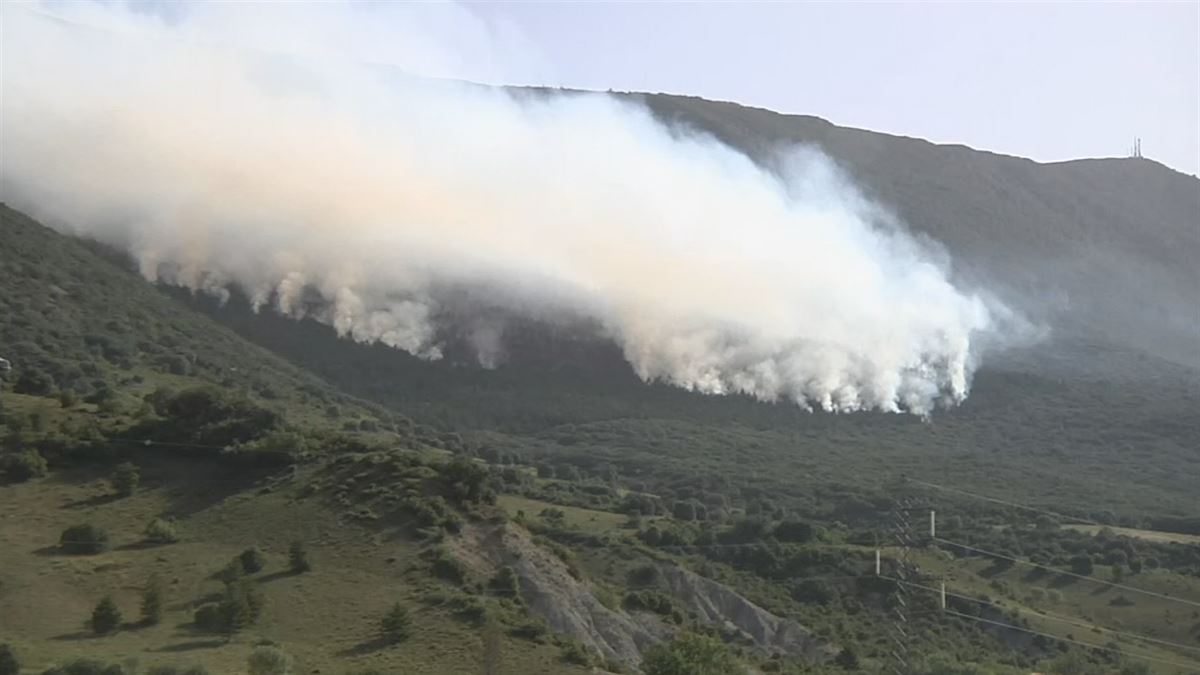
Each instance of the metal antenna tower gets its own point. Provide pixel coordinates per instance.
(901, 631)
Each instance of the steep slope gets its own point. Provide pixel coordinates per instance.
(713, 485)
(74, 317)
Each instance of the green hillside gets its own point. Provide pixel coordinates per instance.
(556, 514)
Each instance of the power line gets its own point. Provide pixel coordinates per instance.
(652, 586)
(1112, 584)
(1054, 617)
(148, 443)
(994, 500)
(1136, 655)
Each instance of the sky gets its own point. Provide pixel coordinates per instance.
(1049, 81)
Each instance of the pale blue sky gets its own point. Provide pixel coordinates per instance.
(1050, 81)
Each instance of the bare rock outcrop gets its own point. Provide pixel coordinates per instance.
(570, 607)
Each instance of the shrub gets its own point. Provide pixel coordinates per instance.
(231, 572)
(445, 566)
(298, 558)
(9, 665)
(125, 479)
(812, 591)
(252, 560)
(650, 601)
(684, 510)
(67, 399)
(160, 531)
(152, 601)
(83, 539)
(847, 659)
(796, 531)
(267, 660)
(34, 382)
(471, 610)
(240, 607)
(1121, 601)
(208, 618)
(106, 617)
(643, 575)
(506, 583)
(574, 652)
(466, 482)
(396, 624)
(689, 654)
(533, 629)
(25, 465)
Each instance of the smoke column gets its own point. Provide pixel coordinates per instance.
(364, 198)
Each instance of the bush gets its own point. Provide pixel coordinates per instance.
(812, 591)
(533, 629)
(152, 601)
(847, 659)
(252, 560)
(240, 607)
(25, 465)
(231, 572)
(208, 618)
(506, 583)
(643, 575)
(471, 610)
(298, 558)
(161, 531)
(1121, 601)
(106, 617)
(268, 661)
(83, 539)
(574, 652)
(445, 566)
(125, 479)
(465, 482)
(67, 399)
(795, 531)
(9, 665)
(649, 601)
(689, 654)
(34, 382)
(396, 624)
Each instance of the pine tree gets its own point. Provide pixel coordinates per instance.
(126, 478)
(253, 560)
(8, 661)
(298, 558)
(152, 601)
(106, 618)
(395, 625)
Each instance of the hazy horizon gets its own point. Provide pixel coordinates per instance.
(1051, 82)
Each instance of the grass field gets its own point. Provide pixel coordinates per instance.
(1081, 610)
(325, 619)
(586, 520)
(1148, 535)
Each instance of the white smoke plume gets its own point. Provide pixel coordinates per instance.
(323, 186)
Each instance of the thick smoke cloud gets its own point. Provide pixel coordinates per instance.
(370, 200)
